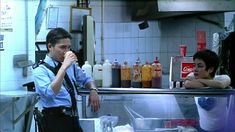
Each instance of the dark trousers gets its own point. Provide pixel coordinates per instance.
(62, 123)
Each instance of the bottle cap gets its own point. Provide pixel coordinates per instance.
(156, 60)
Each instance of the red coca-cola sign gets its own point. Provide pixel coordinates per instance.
(186, 68)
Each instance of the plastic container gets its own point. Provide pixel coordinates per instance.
(146, 75)
(87, 69)
(125, 75)
(97, 74)
(116, 74)
(136, 75)
(107, 74)
(156, 74)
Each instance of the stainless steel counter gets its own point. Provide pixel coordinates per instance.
(183, 91)
(16, 93)
(167, 104)
(17, 104)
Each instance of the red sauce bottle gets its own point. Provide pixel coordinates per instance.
(156, 74)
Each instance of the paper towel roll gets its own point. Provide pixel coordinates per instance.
(215, 43)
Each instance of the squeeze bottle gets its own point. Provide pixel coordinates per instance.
(125, 75)
(146, 75)
(156, 74)
(97, 74)
(107, 74)
(136, 75)
(116, 74)
(87, 69)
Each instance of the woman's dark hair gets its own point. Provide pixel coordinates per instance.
(210, 58)
(55, 35)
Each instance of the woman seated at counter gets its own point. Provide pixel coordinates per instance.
(213, 111)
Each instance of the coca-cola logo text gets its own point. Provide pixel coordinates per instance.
(187, 69)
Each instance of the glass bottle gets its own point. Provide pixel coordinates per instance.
(125, 75)
(146, 75)
(116, 74)
(156, 74)
(136, 75)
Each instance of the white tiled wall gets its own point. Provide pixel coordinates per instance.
(63, 21)
(23, 13)
(229, 20)
(63, 16)
(17, 42)
(123, 40)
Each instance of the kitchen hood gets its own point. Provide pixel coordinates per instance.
(157, 9)
(195, 5)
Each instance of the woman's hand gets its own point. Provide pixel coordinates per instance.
(190, 76)
(193, 84)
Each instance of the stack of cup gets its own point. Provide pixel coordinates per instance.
(183, 49)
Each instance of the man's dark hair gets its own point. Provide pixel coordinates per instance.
(55, 35)
(210, 58)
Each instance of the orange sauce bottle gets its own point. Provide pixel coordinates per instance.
(146, 75)
(125, 75)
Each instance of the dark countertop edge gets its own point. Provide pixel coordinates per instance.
(181, 91)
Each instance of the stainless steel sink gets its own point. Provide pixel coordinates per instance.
(141, 124)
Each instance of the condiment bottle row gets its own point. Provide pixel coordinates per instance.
(125, 76)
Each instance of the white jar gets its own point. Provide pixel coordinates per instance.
(107, 74)
(97, 74)
(87, 69)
